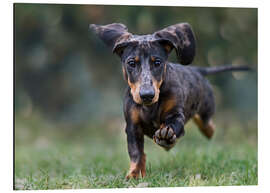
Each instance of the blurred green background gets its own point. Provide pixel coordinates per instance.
(68, 84)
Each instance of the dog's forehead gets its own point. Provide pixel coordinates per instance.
(143, 41)
(143, 38)
(138, 44)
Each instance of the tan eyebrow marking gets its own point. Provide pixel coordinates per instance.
(137, 59)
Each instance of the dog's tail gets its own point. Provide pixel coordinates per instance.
(214, 70)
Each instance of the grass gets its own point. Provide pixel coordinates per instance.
(47, 158)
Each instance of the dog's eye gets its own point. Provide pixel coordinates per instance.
(131, 63)
(157, 62)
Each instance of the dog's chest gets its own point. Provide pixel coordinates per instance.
(151, 120)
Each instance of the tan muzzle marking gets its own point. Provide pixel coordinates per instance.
(135, 91)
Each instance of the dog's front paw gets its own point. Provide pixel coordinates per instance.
(165, 137)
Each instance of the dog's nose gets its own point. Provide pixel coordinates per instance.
(147, 95)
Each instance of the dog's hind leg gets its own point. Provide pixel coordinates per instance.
(206, 111)
(207, 128)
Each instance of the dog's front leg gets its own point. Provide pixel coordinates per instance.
(170, 130)
(135, 139)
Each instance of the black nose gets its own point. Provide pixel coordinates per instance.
(147, 94)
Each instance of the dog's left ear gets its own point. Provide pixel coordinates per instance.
(181, 37)
(114, 35)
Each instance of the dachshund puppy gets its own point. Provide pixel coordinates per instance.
(161, 96)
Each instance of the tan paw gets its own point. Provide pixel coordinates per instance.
(137, 168)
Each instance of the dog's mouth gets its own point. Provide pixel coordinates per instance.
(147, 103)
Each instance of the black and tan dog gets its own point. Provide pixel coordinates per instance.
(161, 96)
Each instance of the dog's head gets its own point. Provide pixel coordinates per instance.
(144, 57)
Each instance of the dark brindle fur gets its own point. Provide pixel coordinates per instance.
(161, 96)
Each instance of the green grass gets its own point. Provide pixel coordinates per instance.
(60, 159)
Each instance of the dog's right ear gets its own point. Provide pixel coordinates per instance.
(114, 35)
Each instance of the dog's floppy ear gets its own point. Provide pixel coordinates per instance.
(114, 35)
(179, 36)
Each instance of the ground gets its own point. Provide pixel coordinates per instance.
(87, 158)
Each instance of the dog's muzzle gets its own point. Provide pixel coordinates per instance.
(147, 93)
